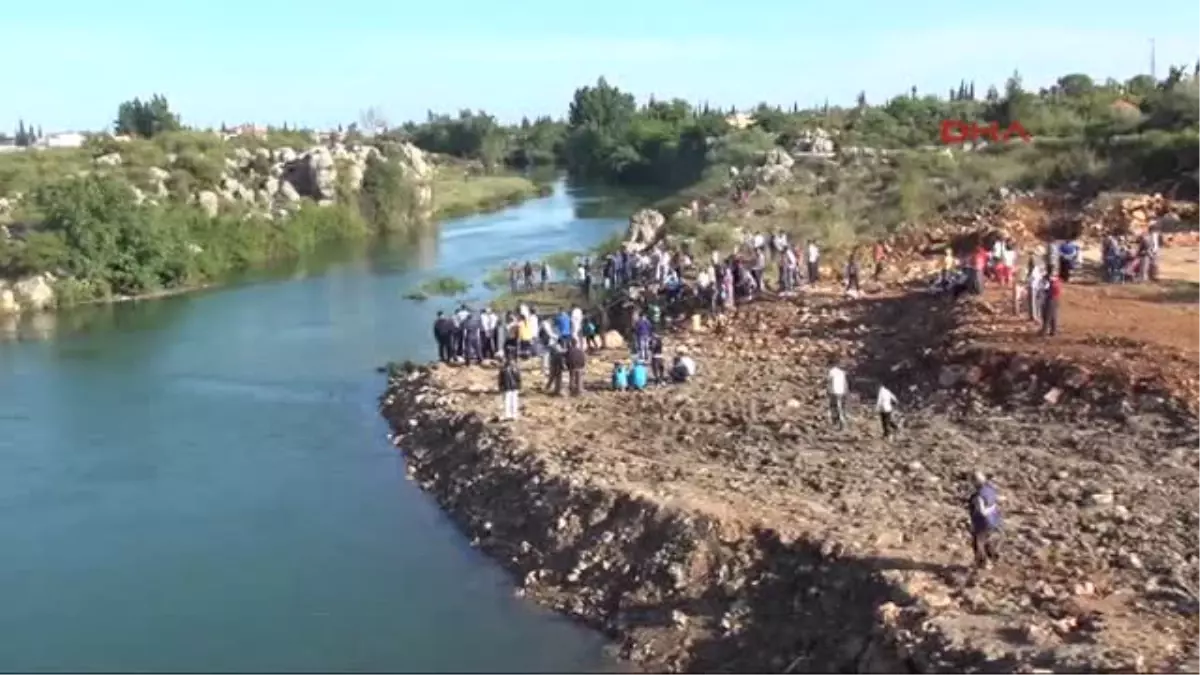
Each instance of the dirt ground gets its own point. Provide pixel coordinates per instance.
(1100, 550)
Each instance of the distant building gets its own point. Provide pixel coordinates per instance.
(69, 139)
(249, 130)
(740, 120)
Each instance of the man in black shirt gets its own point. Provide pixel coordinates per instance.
(443, 333)
(576, 362)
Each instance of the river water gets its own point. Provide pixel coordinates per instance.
(202, 483)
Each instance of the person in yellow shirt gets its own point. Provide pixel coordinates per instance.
(526, 331)
(948, 262)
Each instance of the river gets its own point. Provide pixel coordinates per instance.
(203, 483)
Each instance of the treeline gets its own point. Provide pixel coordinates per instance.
(24, 136)
(608, 136)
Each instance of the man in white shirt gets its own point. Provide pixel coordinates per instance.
(885, 403)
(837, 395)
(576, 322)
(814, 256)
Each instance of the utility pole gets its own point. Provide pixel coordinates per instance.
(1153, 72)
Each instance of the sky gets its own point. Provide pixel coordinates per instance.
(68, 64)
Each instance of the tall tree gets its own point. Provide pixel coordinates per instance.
(146, 118)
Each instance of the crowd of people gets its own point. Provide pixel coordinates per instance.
(672, 282)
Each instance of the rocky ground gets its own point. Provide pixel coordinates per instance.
(725, 526)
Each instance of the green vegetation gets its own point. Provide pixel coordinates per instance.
(455, 193)
(119, 216)
(440, 287)
(146, 118)
(1142, 129)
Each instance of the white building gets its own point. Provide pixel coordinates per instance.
(68, 139)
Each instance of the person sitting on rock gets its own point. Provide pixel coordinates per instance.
(684, 367)
(984, 510)
(639, 376)
(620, 377)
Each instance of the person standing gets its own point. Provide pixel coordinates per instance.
(557, 362)
(837, 395)
(885, 403)
(852, 272)
(880, 254)
(658, 366)
(576, 363)
(642, 330)
(984, 510)
(510, 387)
(1050, 308)
(443, 334)
(814, 259)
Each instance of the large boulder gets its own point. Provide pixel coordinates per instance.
(645, 228)
(778, 157)
(209, 202)
(313, 174)
(35, 293)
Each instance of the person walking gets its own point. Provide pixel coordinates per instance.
(510, 388)
(885, 403)
(984, 510)
(837, 395)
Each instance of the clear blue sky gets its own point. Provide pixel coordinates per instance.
(68, 63)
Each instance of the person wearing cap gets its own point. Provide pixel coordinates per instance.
(984, 510)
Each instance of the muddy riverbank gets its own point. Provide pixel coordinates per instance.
(723, 526)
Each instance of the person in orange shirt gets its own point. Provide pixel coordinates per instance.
(880, 254)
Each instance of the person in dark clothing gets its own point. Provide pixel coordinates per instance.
(472, 329)
(642, 330)
(658, 368)
(576, 362)
(528, 275)
(852, 271)
(443, 334)
(984, 510)
(1050, 308)
(557, 366)
(510, 387)
(545, 275)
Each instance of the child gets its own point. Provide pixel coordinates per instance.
(620, 377)
(639, 375)
(590, 334)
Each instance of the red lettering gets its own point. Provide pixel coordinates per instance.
(1015, 129)
(954, 132)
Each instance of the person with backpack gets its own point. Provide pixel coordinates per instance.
(510, 387)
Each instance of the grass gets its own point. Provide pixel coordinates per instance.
(454, 194)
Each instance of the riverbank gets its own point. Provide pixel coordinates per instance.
(452, 196)
(724, 526)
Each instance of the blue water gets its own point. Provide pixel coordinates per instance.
(202, 483)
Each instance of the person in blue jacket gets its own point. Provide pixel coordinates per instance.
(562, 325)
(620, 377)
(641, 375)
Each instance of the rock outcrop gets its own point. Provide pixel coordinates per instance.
(645, 229)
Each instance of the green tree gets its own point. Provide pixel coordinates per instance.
(146, 118)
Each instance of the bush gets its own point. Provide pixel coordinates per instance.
(386, 199)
